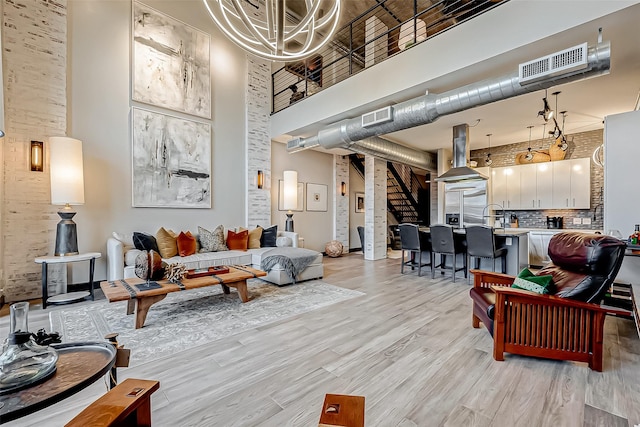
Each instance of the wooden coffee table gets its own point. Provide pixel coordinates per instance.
(141, 299)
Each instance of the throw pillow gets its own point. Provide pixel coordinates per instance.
(530, 282)
(254, 237)
(186, 244)
(238, 241)
(212, 241)
(145, 242)
(284, 242)
(167, 243)
(269, 236)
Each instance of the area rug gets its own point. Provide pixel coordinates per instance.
(187, 319)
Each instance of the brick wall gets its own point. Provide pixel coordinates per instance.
(340, 202)
(580, 145)
(34, 56)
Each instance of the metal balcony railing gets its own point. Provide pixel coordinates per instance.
(373, 36)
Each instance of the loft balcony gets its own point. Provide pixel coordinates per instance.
(372, 35)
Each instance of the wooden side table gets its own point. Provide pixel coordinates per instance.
(71, 296)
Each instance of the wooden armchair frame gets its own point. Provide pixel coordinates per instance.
(537, 325)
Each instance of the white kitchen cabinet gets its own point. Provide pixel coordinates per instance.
(528, 186)
(572, 184)
(513, 187)
(539, 247)
(564, 184)
(499, 186)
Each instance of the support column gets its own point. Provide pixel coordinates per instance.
(377, 50)
(258, 208)
(375, 208)
(340, 202)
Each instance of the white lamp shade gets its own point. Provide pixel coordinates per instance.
(67, 177)
(290, 197)
(407, 31)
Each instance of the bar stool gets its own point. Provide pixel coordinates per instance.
(417, 244)
(481, 243)
(443, 242)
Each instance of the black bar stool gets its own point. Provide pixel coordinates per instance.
(418, 246)
(444, 242)
(481, 243)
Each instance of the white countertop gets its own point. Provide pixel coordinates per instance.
(550, 230)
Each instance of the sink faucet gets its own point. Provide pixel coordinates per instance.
(504, 216)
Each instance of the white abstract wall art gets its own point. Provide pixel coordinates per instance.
(171, 66)
(171, 161)
(317, 197)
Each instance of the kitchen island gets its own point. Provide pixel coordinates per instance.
(517, 243)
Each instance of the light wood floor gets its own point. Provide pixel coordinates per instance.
(407, 346)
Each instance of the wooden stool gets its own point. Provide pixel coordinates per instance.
(127, 404)
(341, 410)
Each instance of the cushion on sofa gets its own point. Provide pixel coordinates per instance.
(269, 236)
(166, 240)
(238, 241)
(145, 242)
(186, 244)
(127, 240)
(254, 237)
(212, 241)
(283, 242)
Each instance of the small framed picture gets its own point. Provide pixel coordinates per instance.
(360, 202)
(317, 197)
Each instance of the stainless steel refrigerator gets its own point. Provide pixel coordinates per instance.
(466, 199)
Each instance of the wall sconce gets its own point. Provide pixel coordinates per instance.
(343, 188)
(260, 179)
(37, 156)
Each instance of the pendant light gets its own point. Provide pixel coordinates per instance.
(529, 156)
(546, 112)
(487, 160)
(563, 146)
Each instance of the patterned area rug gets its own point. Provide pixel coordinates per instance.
(187, 319)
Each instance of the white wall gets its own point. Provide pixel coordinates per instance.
(313, 167)
(99, 94)
(621, 154)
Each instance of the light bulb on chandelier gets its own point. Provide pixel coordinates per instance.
(268, 35)
(529, 156)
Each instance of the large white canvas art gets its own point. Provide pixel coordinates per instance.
(171, 161)
(170, 63)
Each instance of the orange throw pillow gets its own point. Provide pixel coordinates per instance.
(238, 241)
(186, 244)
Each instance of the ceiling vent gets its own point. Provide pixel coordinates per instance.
(382, 115)
(573, 58)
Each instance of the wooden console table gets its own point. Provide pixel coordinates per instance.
(141, 299)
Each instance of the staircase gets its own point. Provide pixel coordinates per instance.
(403, 192)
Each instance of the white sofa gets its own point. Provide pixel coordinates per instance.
(121, 261)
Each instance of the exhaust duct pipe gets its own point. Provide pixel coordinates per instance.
(589, 62)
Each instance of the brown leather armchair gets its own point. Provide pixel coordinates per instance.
(567, 325)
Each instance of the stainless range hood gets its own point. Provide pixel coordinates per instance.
(460, 171)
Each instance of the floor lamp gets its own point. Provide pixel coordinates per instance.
(290, 197)
(67, 188)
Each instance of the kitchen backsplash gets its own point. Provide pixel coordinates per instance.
(581, 145)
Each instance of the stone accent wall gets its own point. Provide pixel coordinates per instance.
(258, 141)
(340, 202)
(34, 56)
(375, 208)
(581, 145)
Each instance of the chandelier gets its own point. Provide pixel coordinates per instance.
(267, 34)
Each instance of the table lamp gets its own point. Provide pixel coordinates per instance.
(290, 197)
(67, 188)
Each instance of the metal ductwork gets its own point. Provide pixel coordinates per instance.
(580, 63)
(460, 171)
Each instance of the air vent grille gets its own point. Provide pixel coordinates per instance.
(573, 58)
(382, 115)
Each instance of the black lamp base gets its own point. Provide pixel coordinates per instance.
(66, 235)
(288, 224)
